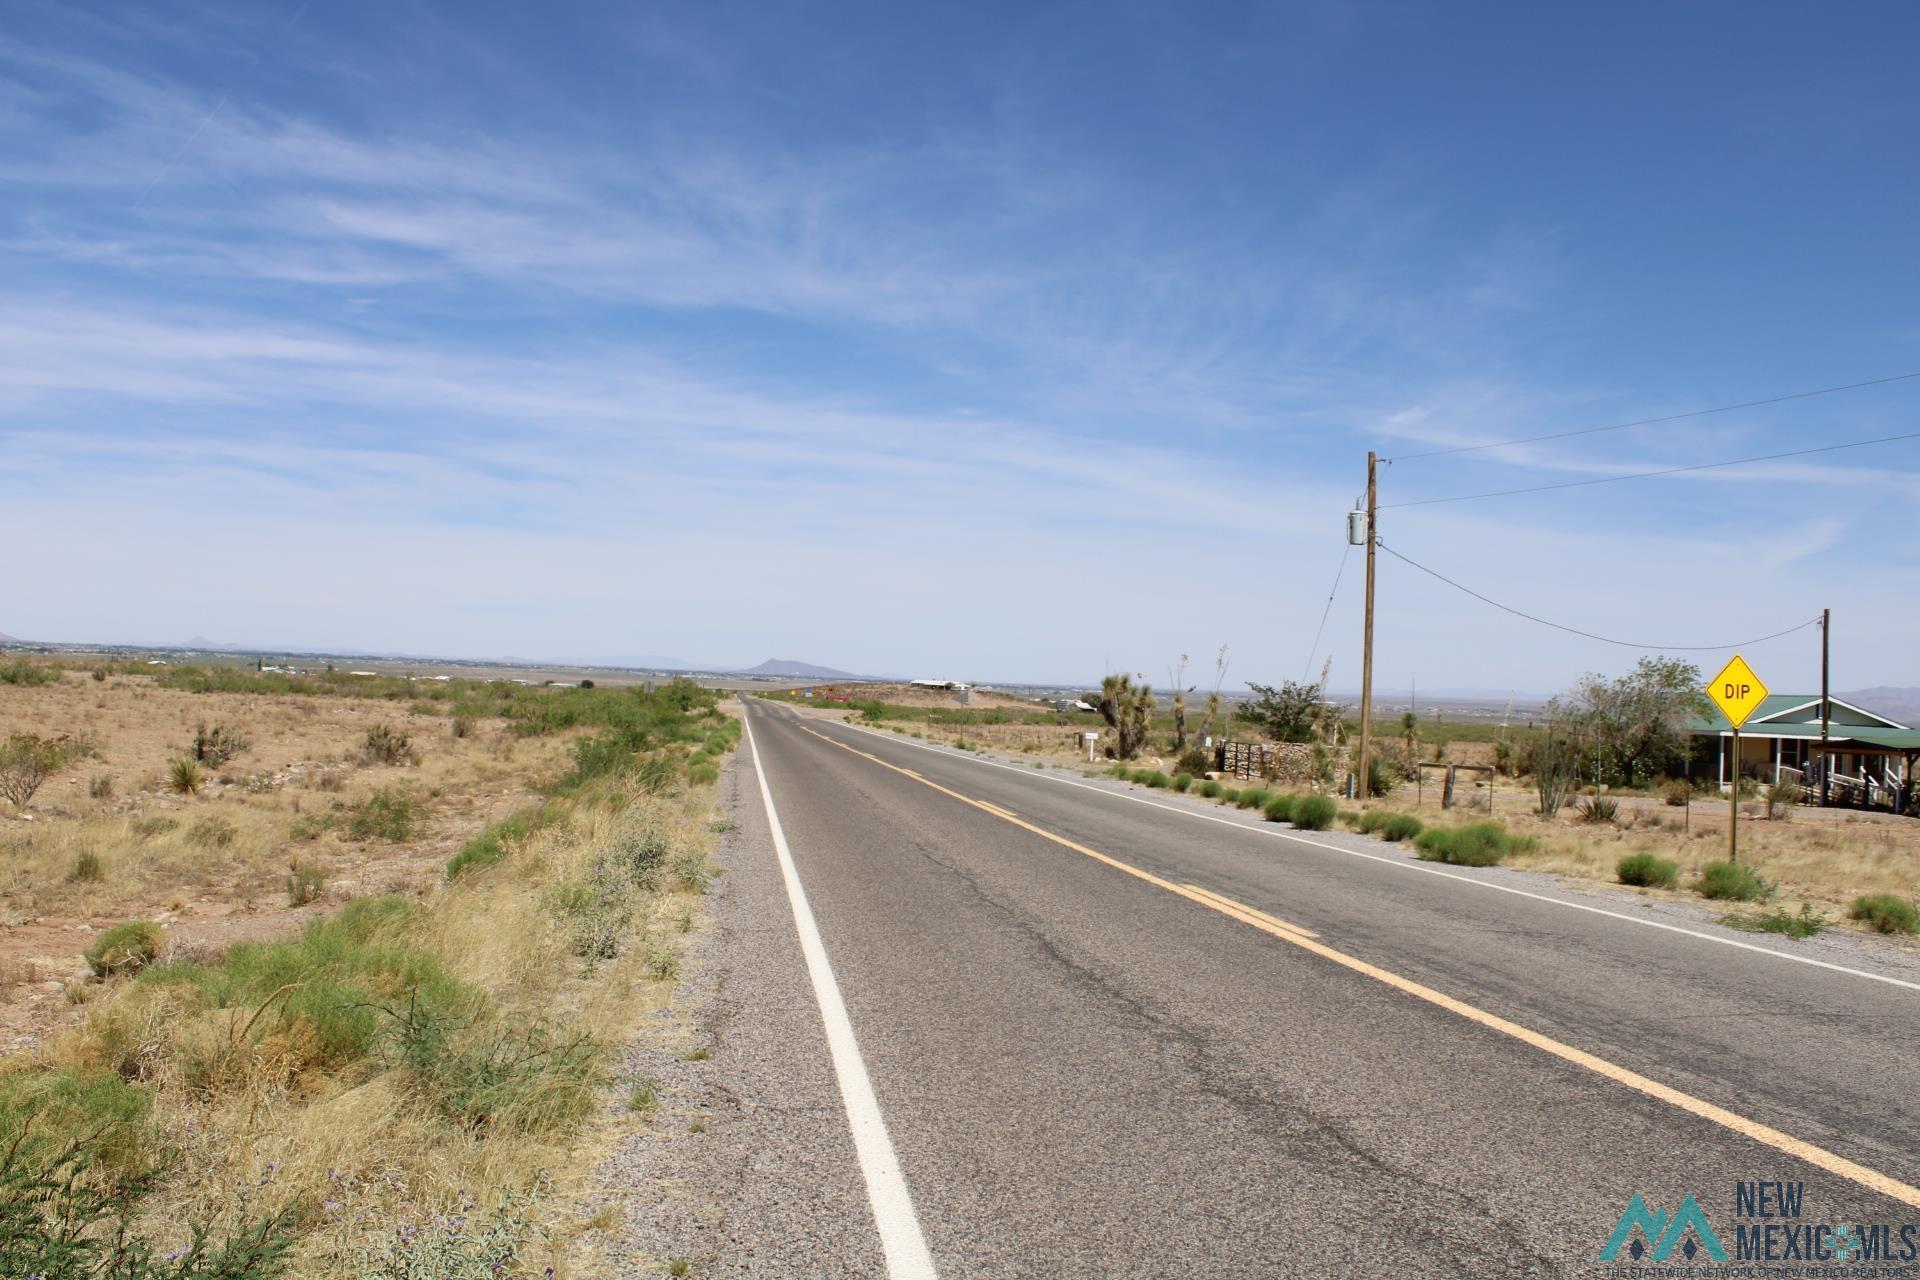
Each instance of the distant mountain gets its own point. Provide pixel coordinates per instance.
(7, 639)
(1899, 703)
(789, 669)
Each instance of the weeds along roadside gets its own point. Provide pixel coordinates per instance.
(390, 1089)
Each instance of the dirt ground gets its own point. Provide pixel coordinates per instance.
(106, 840)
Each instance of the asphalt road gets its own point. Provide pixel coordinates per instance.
(1084, 1069)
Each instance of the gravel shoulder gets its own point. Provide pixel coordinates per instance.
(746, 1166)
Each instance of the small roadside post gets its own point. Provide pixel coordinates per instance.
(1738, 693)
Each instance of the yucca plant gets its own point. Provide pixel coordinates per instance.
(185, 777)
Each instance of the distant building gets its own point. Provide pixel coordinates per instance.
(951, 685)
(1866, 758)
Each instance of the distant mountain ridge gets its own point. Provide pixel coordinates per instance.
(1903, 704)
(788, 668)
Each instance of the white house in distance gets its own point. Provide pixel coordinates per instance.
(1868, 758)
(954, 686)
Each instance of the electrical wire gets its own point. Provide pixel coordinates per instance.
(1648, 422)
(1326, 612)
(1643, 475)
(1625, 644)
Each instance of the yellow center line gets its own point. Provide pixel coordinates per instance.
(1305, 939)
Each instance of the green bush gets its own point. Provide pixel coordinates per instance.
(87, 868)
(125, 947)
(387, 815)
(1182, 781)
(703, 775)
(1805, 924)
(386, 745)
(1156, 779)
(1676, 792)
(22, 672)
(1730, 882)
(492, 844)
(1402, 826)
(1211, 789)
(1278, 808)
(1885, 913)
(1478, 844)
(1253, 798)
(1229, 795)
(1371, 821)
(214, 745)
(1193, 760)
(1314, 813)
(1648, 871)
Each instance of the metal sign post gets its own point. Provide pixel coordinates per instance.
(1738, 693)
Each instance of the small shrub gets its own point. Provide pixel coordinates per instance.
(1782, 799)
(214, 745)
(1598, 810)
(185, 777)
(1648, 871)
(1194, 761)
(87, 868)
(305, 885)
(1731, 882)
(1157, 780)
(1182, 781)
(387, 745)
(22, 672)
(1371, 821)
(1401, 826)
(1229, 795)
(101, 787)
(28, 760)
(1210, 789)
(1478, 844)
(387, 814)
(463, 726)
(1253, 798)
(125, 948)
(643, 1097)
(1803, 924)
(704, 774)
(1885, 913)
(99, 675)
(1278, 809)
(691, 874)
(1676, 792)
(1314, 813)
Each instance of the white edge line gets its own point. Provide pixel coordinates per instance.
(1402, 863)
(900, 1237)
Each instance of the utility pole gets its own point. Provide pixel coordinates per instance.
(1826, 704)
(1366, 648)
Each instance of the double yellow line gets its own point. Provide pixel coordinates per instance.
(1308, 940)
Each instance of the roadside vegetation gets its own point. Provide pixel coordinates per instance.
(1589, 786)
(390, 1082)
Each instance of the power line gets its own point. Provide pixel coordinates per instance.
(1625, 644)
(1648, 422)
(1644, 475)
(1315, 651)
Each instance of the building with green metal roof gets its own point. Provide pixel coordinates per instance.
(1861, 756)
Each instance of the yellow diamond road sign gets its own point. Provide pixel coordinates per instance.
(1737, 691)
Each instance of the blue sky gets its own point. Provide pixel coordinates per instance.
(1004, 342)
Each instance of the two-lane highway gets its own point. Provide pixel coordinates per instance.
(1103, 1038)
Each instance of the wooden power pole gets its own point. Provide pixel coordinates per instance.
(1361, 789)
(1826, 705)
